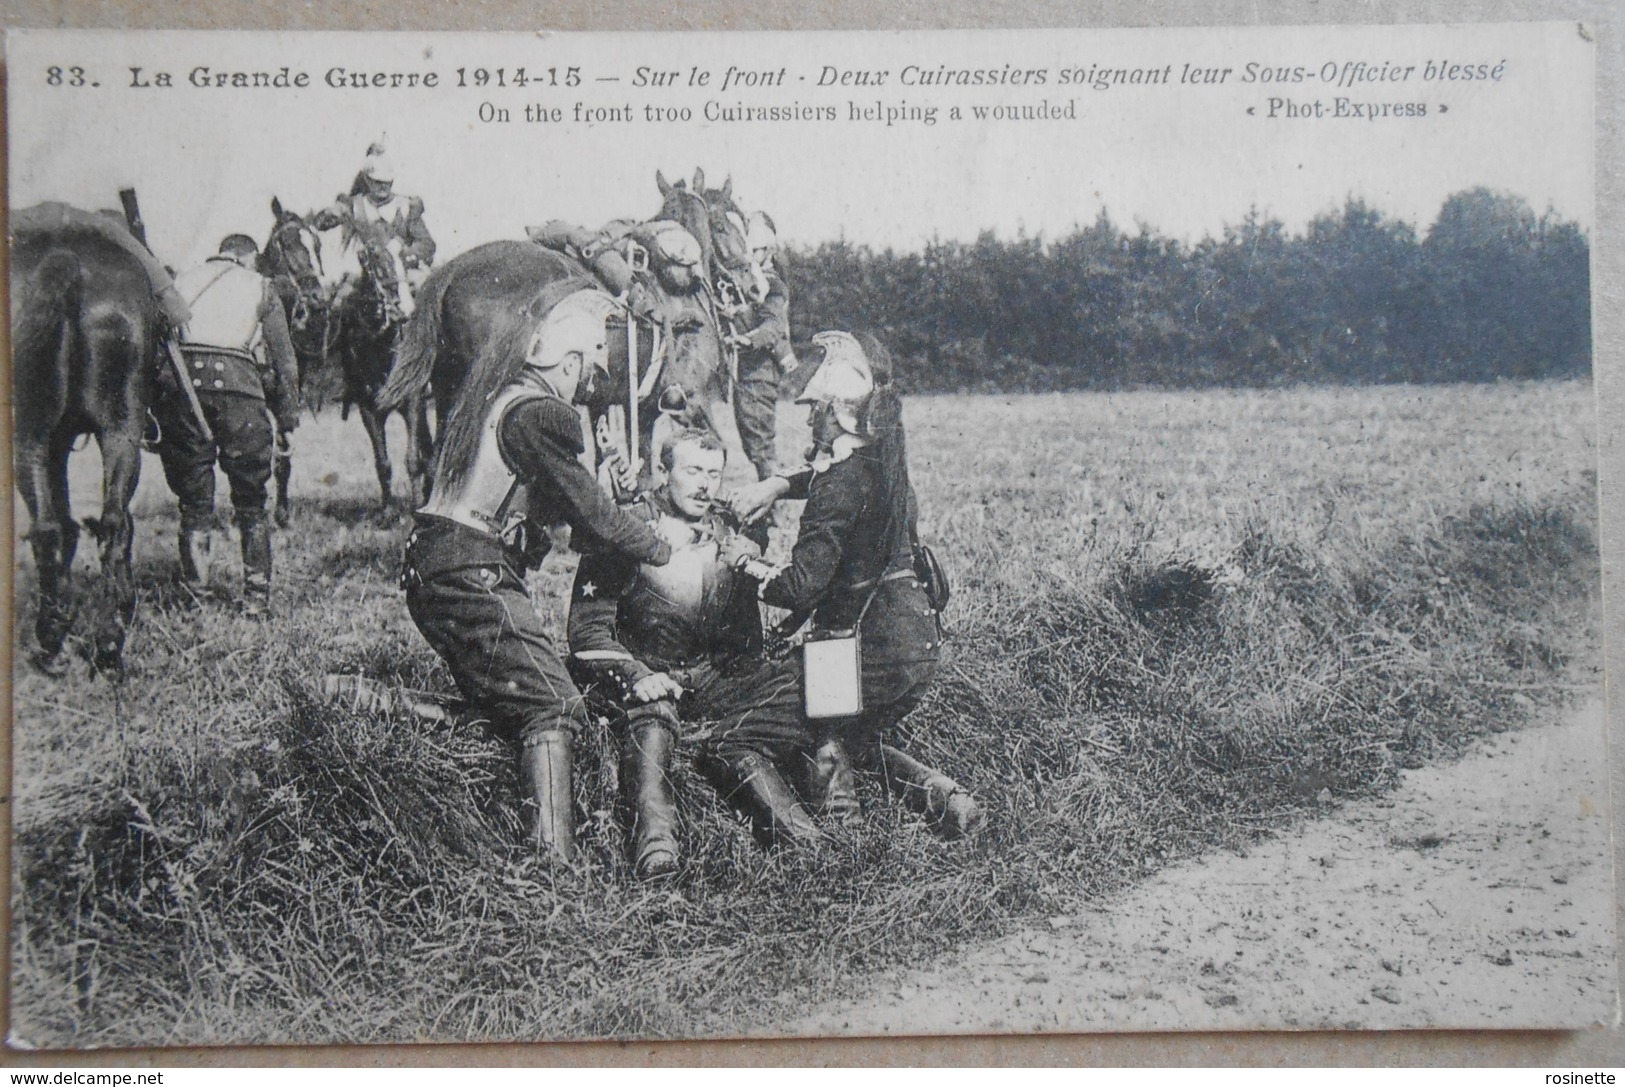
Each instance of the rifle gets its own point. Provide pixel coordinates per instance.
(172, 349)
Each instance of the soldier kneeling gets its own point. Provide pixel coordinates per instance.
(508, 468)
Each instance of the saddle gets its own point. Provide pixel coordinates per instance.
(645, 264)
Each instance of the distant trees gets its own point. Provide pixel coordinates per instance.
(1492, 291)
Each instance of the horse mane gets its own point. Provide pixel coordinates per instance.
(498, 363)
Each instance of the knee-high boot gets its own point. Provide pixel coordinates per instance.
(752, 783)
(550, 821)
(645, 764)
(196, 556)
(831, 784)
(256, 567)
(946, 805)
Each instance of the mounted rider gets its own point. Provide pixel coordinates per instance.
(385, 232)
(508, 470)
(239, 359)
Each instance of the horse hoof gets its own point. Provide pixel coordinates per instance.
(108, 661)
(54, 665)
(281, 517)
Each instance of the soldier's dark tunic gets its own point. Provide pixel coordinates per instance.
(756, 390)
(239, 388)
(842, 558)
(465, 587)
(696, 620)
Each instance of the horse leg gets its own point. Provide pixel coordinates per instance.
(416, 413)
(121, 470)
(42, 477)
(374, 422)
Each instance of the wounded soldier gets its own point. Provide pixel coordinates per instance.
(677, 649)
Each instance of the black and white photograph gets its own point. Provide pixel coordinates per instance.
(571, 536)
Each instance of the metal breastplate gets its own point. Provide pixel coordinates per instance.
(682, 584)
(225, 304)
(489, 497)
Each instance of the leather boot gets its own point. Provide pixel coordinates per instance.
(256, 567)
(550, 820)
(775, 811)
(946, 805)
(645, 762)
(197, 546)
(831, 784)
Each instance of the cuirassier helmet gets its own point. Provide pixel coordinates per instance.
(844, 380)
(576, 324)
(378, 165)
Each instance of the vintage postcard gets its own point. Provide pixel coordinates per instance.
(565, 536)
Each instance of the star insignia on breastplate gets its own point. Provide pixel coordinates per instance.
(588, 589)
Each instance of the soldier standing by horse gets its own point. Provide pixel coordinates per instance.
(764, 352)
(244, 393)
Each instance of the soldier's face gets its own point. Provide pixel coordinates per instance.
(825, 427)
(378, 191)
(565, 378)
(694, 479)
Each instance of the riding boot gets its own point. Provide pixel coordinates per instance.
(831, 784)
(946, 805)
(645, 763)
(754, 784)
(197, 546)
(550, 822)
(256, 567)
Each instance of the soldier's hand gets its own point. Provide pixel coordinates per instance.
(624, 475)
(751, 502)
(655, 687)
(736, 549)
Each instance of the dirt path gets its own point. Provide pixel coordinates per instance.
(1478, 894)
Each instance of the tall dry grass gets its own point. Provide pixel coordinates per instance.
(1180, 621)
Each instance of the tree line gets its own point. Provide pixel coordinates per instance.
(1492, 291)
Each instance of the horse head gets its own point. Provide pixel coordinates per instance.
(717, 222)
(294, 250)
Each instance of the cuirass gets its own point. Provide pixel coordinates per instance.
(489, 496)
(682, 583)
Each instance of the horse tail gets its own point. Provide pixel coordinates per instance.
(43, 325)
(496, 363)
(419, 347)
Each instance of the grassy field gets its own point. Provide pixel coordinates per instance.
(1180, 620)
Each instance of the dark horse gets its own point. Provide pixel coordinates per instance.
(364, 328)
(86, 329)
(291, 259)
(476, 312)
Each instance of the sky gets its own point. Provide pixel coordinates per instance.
(1172, 145)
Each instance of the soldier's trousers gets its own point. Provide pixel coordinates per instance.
(243, 442)
(746, 706)
(501, 653)
(756, 405)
